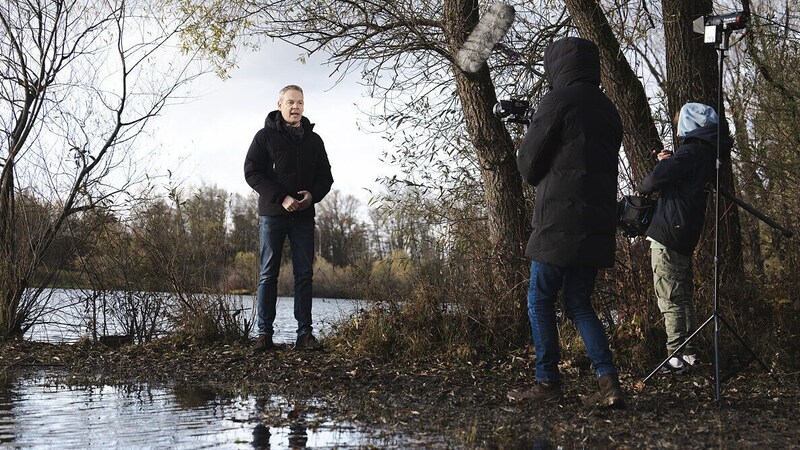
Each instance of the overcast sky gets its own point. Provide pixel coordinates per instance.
(211, 134)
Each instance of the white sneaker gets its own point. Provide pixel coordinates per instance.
(689, 359)
(673, 365)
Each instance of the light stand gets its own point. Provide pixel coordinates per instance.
(719, 29)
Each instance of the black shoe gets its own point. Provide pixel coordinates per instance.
(307, 341)
(263, 343)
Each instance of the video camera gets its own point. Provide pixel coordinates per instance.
(514, 110)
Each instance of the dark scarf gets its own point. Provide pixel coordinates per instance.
(295, 132)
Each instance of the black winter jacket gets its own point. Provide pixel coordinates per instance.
(570, 153)
(681, 180)
(277, 165)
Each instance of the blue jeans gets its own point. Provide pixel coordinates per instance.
(273, 231)
(577, 284)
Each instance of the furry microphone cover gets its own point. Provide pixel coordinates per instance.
(487, 33)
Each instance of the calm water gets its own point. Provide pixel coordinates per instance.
(44, 412)
(65, 318)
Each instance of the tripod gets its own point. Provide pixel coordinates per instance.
(716, 317)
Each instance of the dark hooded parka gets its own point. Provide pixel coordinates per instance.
(570, 154)
(681, 181)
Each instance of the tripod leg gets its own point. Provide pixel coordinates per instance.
(680, 347)
(739, 338)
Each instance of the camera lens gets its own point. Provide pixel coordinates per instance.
(500, 110)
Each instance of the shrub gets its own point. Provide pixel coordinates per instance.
(207, 318)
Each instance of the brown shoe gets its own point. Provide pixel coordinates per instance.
(541, 392)
(610, 394)
(263, 343)
(307, 341)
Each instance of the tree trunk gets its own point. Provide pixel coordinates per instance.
(691, 64)
(11, 286)
(622, 86)
(693, 76)
(508, 224)
(751, 183)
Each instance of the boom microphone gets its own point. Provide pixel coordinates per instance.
(487, 34)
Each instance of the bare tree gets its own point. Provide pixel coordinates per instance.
(342, 237)
(408, 221)
(80, 80)
(204, 214)
(764, 100)
(243, 212)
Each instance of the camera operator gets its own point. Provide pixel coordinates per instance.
(678, 220)
(570, 154)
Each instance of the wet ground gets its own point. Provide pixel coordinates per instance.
(434, 404)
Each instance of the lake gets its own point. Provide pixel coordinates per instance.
(65, 316)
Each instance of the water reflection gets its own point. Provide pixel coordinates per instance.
(298, 435)
(6, 412)
(261, 437)
(43, 412)
(189, 397)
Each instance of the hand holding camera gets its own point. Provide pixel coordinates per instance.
(662, 154)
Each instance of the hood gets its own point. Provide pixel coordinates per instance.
(572, 60)
(695, 115)
(708, 134)
(275, 121)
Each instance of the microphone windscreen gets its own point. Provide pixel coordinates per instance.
(487, 33)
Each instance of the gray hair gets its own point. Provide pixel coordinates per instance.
(291, 87)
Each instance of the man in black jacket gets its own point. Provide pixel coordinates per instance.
(288, 166)
(681, 180)
(570, 154)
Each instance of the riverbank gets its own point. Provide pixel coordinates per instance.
(446, 404)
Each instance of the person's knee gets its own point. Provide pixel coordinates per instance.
(268, 278)
(670, 304)
(581, 314)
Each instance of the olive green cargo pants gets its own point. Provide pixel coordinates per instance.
(673, 285)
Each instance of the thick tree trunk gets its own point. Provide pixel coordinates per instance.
(508, 224)
(693, 76)
(691, 64)
(621, 85)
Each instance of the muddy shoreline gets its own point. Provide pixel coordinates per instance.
(445, 404)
